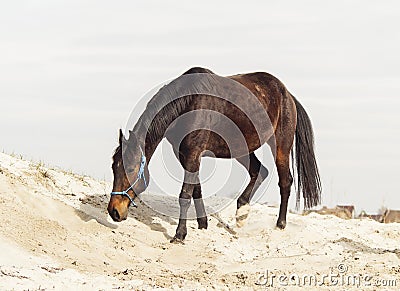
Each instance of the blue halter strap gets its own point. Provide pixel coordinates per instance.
(140, 176)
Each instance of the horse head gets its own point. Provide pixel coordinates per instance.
(131, 176)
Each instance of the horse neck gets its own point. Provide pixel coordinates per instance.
(150, 131)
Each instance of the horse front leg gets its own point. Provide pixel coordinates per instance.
(185, 198)
(190, 151)
(199, 206)
(191, 180)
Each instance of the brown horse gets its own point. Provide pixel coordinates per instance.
(256, 109)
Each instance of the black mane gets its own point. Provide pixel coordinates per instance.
(197, 70)
(164, 107)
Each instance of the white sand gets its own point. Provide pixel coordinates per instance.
(55, 234)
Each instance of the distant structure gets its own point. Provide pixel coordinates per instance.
(391, 215)
(348, 212)
(341, 212)
(349, 208)
(376, 217)
(388, 216)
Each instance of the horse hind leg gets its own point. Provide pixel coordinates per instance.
(258, 173)
(284, 138)
(285, 183)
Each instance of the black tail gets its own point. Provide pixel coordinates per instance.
(308, 180)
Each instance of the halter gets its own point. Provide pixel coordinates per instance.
(140, 176)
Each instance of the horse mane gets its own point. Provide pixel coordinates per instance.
(198, 70)
(163, 108)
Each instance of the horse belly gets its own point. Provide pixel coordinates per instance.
(222, 138)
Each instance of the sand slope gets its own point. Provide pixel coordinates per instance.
(55, 234)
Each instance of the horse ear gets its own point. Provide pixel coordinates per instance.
(121, 136)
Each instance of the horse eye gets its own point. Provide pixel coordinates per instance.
(130, 170)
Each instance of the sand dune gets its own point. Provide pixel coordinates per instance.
(55, 234)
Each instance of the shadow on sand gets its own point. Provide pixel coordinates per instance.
(95, 207)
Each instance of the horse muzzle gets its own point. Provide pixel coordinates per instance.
(117, 213)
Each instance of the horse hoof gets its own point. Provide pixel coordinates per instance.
(176, 240)
(202, 222)
(242, 214)
(281, 224)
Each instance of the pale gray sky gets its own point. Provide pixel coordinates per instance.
(71, 72)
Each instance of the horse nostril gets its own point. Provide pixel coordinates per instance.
(115, 214)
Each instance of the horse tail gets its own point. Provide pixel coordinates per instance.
(308, 180)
